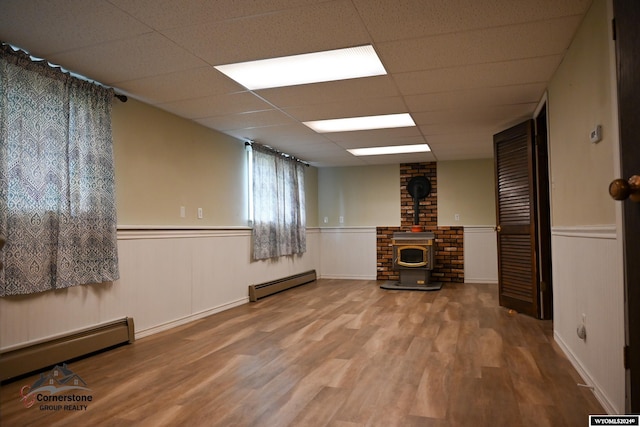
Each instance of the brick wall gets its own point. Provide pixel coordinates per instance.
(428, 215)
(448, 257)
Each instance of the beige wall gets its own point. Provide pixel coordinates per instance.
(370, 195)
(362, 195)
(580, 99)
(586, 248)
(311, 195)
(466, 188)
(164, 162)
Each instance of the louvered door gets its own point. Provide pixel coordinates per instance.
(515, 207)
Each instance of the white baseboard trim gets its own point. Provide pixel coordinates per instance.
(346, 277)
(587, 378)
(491, 281)
(190, 318)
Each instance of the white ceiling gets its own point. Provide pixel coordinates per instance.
(463, 69)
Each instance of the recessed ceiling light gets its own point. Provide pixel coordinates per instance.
(362, 123)
(395, 149)
(339, 64)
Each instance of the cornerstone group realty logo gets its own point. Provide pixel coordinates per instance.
(61, 389)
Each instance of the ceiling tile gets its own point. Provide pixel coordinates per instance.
(377, 138)
(296, 133)
(495, 74)
(264, 118)
(322, 26)
(479, 47)
(398, 158)
(353, 108)
(217, 105)
(194, 83)
(47, 27)
(163, 14)
(381, 142)
(393, 20)
(476, 98)
(331, 92)
(334, 157)
(478, 115)
(128, 59)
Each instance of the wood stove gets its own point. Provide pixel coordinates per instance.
(413, 254)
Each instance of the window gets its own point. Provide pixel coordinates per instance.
(57, 187)
(277, 204)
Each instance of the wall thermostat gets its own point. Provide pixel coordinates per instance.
(595, 135)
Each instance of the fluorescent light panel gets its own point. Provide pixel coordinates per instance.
(395, 149)
(362, 123)
(339, 64)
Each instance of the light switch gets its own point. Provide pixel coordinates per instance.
(595, 135)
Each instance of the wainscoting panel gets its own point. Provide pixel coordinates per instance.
(348, 253)
(480, 255)
(588, 280)
(217, 266)
(155, 275)
(167, 278)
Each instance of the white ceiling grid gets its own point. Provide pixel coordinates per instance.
(463, 69)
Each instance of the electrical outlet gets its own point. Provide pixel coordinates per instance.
(341, 220)
(326, 219)
(200, 213)
(183, 212)
(581, 331)
(456, 217)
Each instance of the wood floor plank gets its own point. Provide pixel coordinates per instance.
(432, 397)
(321, 408)
(340, 353)
(447, 339)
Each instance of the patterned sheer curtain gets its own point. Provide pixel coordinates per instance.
(279, 219)
(57, 187)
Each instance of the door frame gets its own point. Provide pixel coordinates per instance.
(540, 177)
(543, 212)
(627, 212)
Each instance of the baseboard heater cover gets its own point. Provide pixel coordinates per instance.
(269, 288)
(33, 357)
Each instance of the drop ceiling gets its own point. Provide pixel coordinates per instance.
(463, 69)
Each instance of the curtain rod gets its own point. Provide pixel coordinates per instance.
(273, 150)
(14, 50)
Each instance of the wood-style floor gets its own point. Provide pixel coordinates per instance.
(333, 353)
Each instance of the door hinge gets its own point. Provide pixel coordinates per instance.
(626, 357)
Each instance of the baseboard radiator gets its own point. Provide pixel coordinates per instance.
(269, 288)
(37, 356)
